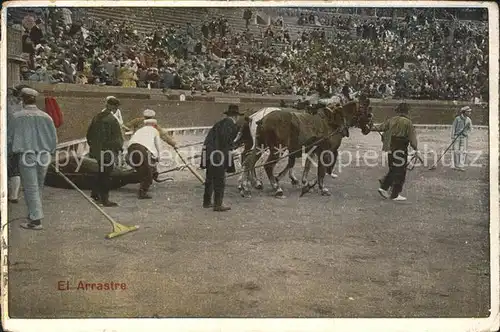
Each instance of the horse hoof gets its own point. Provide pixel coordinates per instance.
(325, 192)
(259, 186)
(295, 182)
(279, 194)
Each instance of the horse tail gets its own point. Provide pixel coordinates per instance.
(258, 134)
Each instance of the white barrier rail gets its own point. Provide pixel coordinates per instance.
(437, 126)
(80, 145)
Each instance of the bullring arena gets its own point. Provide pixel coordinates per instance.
(348, 255)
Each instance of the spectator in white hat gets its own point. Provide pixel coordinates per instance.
(460, 130)
(138, 123)
(33, 136)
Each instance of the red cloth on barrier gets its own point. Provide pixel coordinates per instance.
(53, 109)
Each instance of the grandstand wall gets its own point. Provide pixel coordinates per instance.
(79, 103)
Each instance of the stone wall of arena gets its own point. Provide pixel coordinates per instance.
(14, 59)
(79, 103)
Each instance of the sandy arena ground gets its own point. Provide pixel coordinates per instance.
(349, 255)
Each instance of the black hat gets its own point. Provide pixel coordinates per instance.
(233, 110)
(403, 108)
(112, 100)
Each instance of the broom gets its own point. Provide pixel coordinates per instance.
(118, 229)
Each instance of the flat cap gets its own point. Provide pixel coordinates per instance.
(29, 92)
(466, 109)
(112, 100)
(149, 113)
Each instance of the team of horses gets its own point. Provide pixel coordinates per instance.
(315, 133)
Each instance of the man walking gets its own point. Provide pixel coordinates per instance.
(144, 153)
(216, 158)
(460, 130)
(14, 179)
(398, 134)
(33, 138)
(105, 140)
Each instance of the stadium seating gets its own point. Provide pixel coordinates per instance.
(148, 19)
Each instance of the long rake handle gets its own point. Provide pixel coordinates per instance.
(449, 146)
(90, 200)
(413, 160)
(198, 176)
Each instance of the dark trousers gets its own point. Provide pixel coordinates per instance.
(143, 161)
(398, 161)
(215, 182)
(102, 184)
(13, 164)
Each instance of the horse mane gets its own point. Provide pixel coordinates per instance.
(321, 111)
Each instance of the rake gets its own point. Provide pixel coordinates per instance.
(118, 229)
(433, 167)
(191, 169)
(413, 161)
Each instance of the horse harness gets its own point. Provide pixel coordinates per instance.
(339, 130)
(344, 126)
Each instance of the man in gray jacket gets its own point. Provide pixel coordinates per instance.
(33, 137)
(14, 179)
(460, 130)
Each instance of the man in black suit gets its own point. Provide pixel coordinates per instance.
(105, 139)
(216, 158)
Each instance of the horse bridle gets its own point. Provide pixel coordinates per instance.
(362, 113)
(359, 113)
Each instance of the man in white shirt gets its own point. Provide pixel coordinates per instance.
(460, 130)
(144, 153)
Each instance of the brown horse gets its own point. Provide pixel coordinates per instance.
(312, 133)
(246, 137)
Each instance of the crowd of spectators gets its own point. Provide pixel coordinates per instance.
(416, 57)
